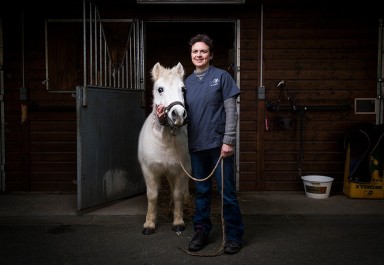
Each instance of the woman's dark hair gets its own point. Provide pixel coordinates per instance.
(202, 38)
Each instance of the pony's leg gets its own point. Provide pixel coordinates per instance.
(185, 179)
(152, 194)
(178, 189)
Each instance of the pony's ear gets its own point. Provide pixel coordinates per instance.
(179, 69)
(156, 71)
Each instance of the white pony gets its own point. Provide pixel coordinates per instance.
(163, 145)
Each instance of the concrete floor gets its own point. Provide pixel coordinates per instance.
(266, 202)
(281, 228)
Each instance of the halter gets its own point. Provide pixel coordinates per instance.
(166, 121)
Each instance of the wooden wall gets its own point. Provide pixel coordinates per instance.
(40, 126)
(327, 55)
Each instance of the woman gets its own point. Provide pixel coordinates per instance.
(211, 104)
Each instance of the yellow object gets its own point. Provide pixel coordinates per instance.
(363, 190)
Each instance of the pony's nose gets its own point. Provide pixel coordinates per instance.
(175, 114)
(183, 114)
(178, 116)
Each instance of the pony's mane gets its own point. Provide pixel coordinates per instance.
(166, 73)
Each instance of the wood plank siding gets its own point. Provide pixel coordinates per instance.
(40, 127)
(326, 54)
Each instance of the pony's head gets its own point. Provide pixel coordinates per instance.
(168, 90)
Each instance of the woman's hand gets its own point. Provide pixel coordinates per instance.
(160, 111)
(161, 115)
(227, 150)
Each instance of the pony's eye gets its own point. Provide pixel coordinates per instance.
(160, 90)
(183, 89)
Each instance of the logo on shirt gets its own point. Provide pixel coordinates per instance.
(214, 82)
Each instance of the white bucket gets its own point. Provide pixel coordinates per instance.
(317, 187)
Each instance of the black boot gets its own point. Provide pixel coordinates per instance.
(198, 241)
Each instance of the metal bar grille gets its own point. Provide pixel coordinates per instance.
(100, 68)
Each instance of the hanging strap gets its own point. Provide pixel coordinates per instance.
(301, 150)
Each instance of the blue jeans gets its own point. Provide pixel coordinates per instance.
(203, 163)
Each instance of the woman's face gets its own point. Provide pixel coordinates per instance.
(200, 55)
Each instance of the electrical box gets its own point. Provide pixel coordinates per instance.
(366, 105)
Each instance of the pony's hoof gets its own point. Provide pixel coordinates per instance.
(148, 231)
(178, 228)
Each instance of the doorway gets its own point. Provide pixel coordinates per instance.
(167, 42)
